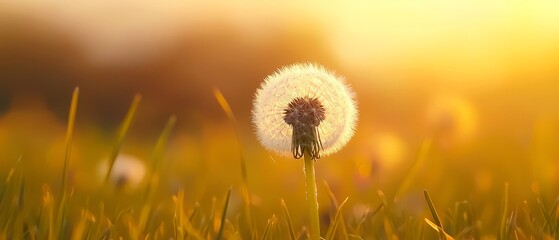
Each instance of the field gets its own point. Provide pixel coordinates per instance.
(139, 124)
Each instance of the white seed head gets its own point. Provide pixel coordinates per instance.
(127, 171)
(304, 102)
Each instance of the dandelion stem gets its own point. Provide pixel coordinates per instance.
(312, 197)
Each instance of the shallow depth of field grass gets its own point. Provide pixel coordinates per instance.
(457, 136)
(224, 197)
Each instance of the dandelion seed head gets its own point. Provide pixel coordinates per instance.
(308, 99)
(127, 171)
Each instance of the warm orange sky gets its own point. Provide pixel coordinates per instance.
(177, 51)
(470, 43)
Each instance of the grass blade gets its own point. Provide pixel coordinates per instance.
(409, 178)
(157, 156)
(289, 223)
(162, 142)
(337, 221)
(224, 215)
(437, 228)
(224, 104)
(548, 221)
(504, 213)
(367, 216)
(182, 222)
(388, 212)
(268, 226)
(434, 213)
(334, 203)
(126, 123)
(69, 137)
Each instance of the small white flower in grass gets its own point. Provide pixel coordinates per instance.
(304, 106)
(128, 171)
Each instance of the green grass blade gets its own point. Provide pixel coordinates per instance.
(224, 215)
(434, 213)
(157, 156)
(126, 123)
(69, 137)
(162, 142)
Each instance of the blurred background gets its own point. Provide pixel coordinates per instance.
(475, 83)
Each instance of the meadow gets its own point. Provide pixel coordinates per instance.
(135, 120)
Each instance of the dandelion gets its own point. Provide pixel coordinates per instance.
(128, 171)
(301, 106)
(304, 110)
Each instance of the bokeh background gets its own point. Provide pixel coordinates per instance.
(476, 83)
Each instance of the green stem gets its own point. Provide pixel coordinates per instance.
(312, 198)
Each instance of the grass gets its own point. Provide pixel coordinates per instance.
(150, 213)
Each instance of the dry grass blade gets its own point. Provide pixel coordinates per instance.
(334, 203)
(268, 227)
(101, 217)
(224, 215)
(145, 217)
(46, 218)
(438, 229)
(224, 104)
(8, 179)
(182, 222)
(387, 210)
(554, 215)
(549, 222)
(337, 221)
(79, 230)
(288, 219)
(331, 196)
(246, 196)
(367, 216)
(126, 123)
(70, 135)
(434, 213)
